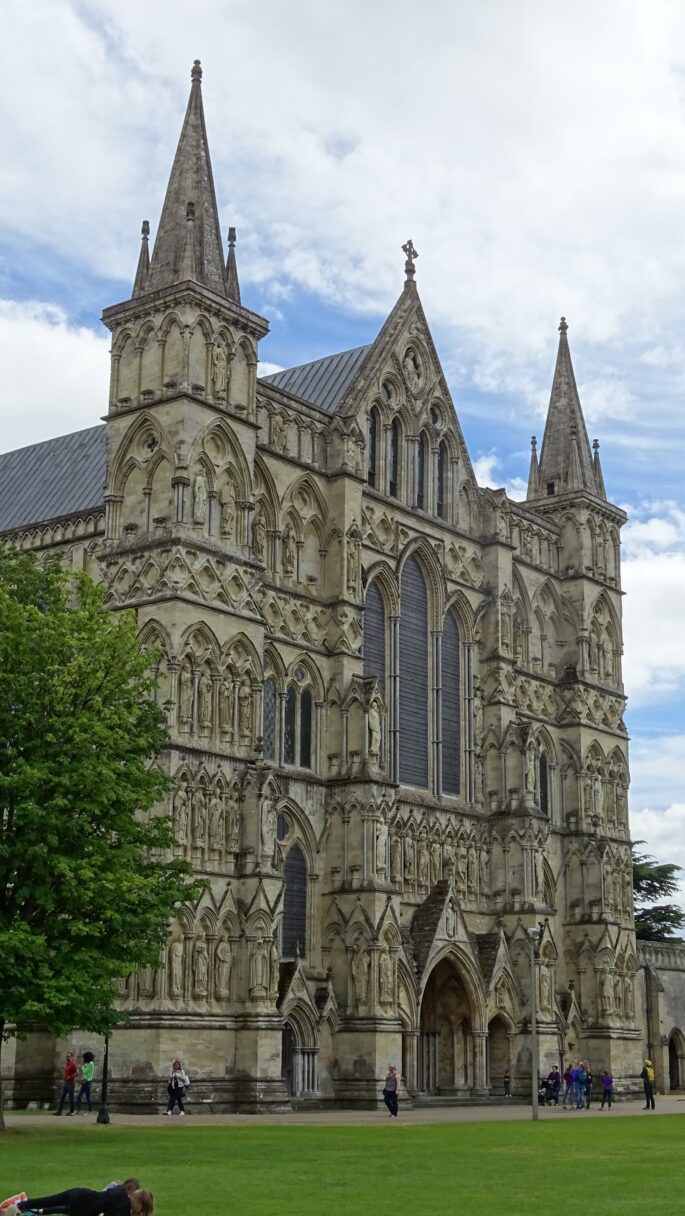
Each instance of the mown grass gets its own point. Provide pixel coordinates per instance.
(627, 1165)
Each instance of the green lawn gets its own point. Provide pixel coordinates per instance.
(627, 1165)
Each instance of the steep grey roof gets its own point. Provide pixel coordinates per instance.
(323, 381)
(58, 477)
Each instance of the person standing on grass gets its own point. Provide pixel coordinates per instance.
(68, 1083)
(178, 1083)
(87, 1071)
(647, 1077)
(391, 1091)
(568, 1083)
(607, 1089)
(507, 1084)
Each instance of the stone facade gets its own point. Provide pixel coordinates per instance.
(395, 706)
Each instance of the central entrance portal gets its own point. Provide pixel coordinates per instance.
(445, 1063)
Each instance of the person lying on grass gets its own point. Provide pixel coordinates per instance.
(80, 1201)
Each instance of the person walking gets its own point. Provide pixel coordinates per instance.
(647, 1077)
(507, 1084)
(178, 1083)
(568, 1084)
(588, 1086)
(554, 1082)
(87, 1071)
(391, 1091)
(68, 1082)
(607, 1089)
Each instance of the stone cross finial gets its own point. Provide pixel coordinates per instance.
(145, 229)
(196, 70)
(563, 327)
(533, 442)
(409, 267)
(231, 237)
(595, 446)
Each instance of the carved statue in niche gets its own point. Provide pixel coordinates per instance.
(608, 887)
(374, 730)
(518, 637)
(199, 818)
(274, 969)
(217, 827)
(204, 702)
(587, 797)
(411, 369)
(385, 979)
(176, 969)
(288, 549)
(223, 964)
(501, 993)
(381, 847)
(219, 369)
(361, 966)
(146, 981)
(435, 863)
(227, 500)
(608, 655)
(505, 625)
(185, 698)
(352, 563)
(259, 967)
(616, 878)
(627, 893)
(350, 457)
(423, 864)
(181, 815)
(545, 988)
(279, 433)
(269, 829)
(539, 874)
(409, 859)
(245, 711)
(606, 995)
(472, 872)
(450, 921)
(233, 820)
(461, 872)
(484, 872)
(628, 998)
(258, 535)
(598, 795)
(226, 707)
(448, 860)
(530, 766)
(396, 861)
(200, 499)
(618, 994)
(200, 967)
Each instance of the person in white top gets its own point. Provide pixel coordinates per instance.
(179, 1081)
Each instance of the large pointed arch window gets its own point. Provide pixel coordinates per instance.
(421, 458)
(544, 784)
(441, 502)
(372, 459)
(413, 750)
(394, 459)
(294, 924)
(451, 706)
(299, 710)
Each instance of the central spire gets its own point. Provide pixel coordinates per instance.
(191, 184)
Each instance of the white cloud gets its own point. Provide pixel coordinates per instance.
(488, 472)
(656, 771)
(664, 835)
(653, 577)
(54, 375)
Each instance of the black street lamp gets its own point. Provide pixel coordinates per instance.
(103, 1113)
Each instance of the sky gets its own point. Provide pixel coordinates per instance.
(536, 156)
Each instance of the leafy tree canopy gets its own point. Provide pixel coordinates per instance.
(87, 885)
(652, 880)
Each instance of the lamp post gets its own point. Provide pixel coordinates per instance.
(535, 939)
(103, 1113)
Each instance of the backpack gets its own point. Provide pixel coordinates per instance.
(582, 1077)
(649, 1075)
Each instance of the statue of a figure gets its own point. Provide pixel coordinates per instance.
(200, 967)
(204, 701)
(424, 864)
(618, 994)
(505, 626)
(608, 653)
(361, 965)
(545, 988)
(435, 863)
(259, 966)
(374, 730)
(518, 637)
(219, 366)
(226, 707)
(484, 872)
(258, 535)
(223, 964)
(216, 824)
(269, 832)
(233, 819)
(628, 999)
(608, 887)
(450, 921)
(616, 877)
(245, 711)
(539, 874)
(274, 969)
(288, 550)
(412, 370)
(146, 981)
(352, 562)
(176, 969)
(472, 872)
(185, 700)
(530, 766)
(381, 847)
(199, 817)
(396, 861)
(627, 894)
(598, 795)
(409, 859)
(461, 872)
(605, 993)
(200, 499)
(227, 503)
(181, 814)
(385, 979)
(279, 433)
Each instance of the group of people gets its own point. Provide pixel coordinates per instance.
(83, 1075)
(577, 1082)
(118, 1199)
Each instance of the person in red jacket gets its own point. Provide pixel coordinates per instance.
(68, 1082)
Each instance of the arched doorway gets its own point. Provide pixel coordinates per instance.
(499, 1060)
(288, 1050)
(446, 1054)
(299, 1056)
(676, 1059)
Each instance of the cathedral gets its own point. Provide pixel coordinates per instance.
(397, 750)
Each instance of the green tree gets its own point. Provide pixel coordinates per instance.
(652, 880)
(87, 886)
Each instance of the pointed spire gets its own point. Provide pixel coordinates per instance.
(565, 460)
(599, 479)
(191, 178)
(232, 284)
(534, 474)
(188, 267)
(143, 270)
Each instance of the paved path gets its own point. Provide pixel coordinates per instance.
(354, 1118)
